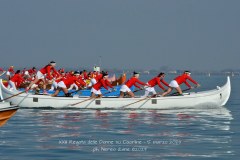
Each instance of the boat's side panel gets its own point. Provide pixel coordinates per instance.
(217, 97)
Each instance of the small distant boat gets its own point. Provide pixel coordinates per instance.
(6, 112)
(214, 97)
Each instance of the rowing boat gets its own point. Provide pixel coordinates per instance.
(6, 112)
(214, 97)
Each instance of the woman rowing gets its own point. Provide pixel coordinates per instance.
(65, 83)
(43, 74)
(103, 82)
(81, 83)
(16, 80)
(155, 81)
(178, 81)
(132, 81)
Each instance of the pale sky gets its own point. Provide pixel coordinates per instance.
(144, 34)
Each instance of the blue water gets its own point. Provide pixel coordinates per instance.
(203, 133)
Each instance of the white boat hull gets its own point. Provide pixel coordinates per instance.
(215, 97)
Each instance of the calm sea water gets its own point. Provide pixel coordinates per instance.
(204, 133)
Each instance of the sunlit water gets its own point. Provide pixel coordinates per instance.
(208, 133)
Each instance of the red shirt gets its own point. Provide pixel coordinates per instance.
(101, 83)
(183, 79)
(23, 71)
(70, 80)
(98, 76)
(81, 81)
(47, 70)
(85, 75)
(60, 78)
(32, 71)
(132, 81)
(17, 78)
(108, 83)
(156, 81)
(11, 70)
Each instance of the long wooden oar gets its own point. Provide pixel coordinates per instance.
(89, 99)
(141, 100)
(13, 96)
(140, 89)
(134, 103)
(82, 101)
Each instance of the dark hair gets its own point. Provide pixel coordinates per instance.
(52, 62)
(160, 74)
(104, 74)
(18, 71)
(135, 73)
(187, 71)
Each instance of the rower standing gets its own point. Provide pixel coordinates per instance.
(178, 81)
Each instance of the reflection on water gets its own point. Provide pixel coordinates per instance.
(149, 134)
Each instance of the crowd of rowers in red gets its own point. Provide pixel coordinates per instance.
(63, 81)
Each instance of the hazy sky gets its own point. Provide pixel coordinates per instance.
(148, 34)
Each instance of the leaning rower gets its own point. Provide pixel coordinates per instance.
(132, 81)
(81, 83)
(65, 83)
(16, 80)
(178, 81)
(155, 81)
(101, 83)
(44, 73)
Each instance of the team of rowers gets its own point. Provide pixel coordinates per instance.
(65, 81)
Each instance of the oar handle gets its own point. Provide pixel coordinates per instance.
(137, 90)
(142, 88)
(152, 96)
